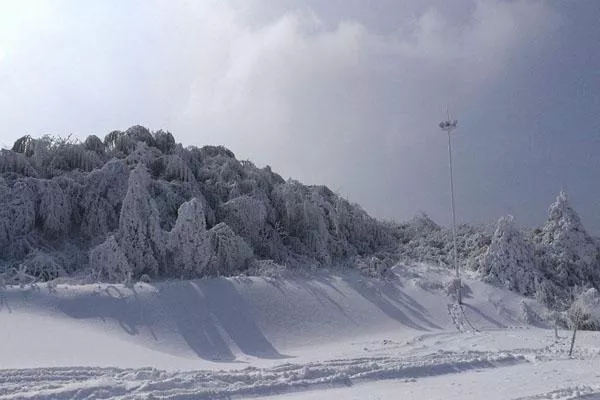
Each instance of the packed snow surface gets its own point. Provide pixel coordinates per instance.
(315, 336)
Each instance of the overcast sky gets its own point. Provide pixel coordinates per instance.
(345, 93)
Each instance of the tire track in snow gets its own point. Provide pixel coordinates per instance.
(115, 383)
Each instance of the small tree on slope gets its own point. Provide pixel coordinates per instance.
(584, 313)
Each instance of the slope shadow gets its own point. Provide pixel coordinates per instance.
(190, 312)
(206, 311)
(394, 303)
(112, 305)
(490, 320)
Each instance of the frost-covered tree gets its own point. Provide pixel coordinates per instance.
(177, 168)
(139, 133)
(584, 312)
(100, 199)
(510, 260)
(108, 262)
(43, 266)
(55, 208)
(571, 253)
(17, 218)
(140, 236)
(188, 241)
(93, 143)
(24, 145)
(164, 141)
(229, 253)
(247, 217)
(15, 162)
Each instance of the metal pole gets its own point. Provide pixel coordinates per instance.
(448, 126)
(455, 258)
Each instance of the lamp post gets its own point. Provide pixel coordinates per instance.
(448, 126)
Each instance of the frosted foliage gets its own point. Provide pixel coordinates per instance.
(164, 141)
(303, 219)
(140, 235)
(101, 198)
(177, 169)
(55, 208)
(228, 252)
(584, 312)
(246, 216)
(565, 232)
(188, 241)
(510, 260)
(17, 216)
(43, 266)
(11, 161)
(108, 262)
(93, 143)
(356, 226)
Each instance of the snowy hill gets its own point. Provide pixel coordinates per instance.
(249, 336)
(222, 321)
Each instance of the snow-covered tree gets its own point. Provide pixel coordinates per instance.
(246, 216)
(229, 253)
(140, 236)
(139, 133)
(24, 145)
(584, 313)
(55, 206)
(177, 169)
(100, 200)
(510, 260)
(108, 262)
(18, 163)
(572, 255)
(164, 141)
(188, 241)
(17, 218)
(93, 143)
(43, 266)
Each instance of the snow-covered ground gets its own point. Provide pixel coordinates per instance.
(315, 336)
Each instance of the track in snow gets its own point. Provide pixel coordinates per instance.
(115, 383)
(459, 319)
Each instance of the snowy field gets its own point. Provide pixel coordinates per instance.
(317, 336)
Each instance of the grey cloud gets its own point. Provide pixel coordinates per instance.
(315, 90)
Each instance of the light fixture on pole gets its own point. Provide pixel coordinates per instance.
(448, 126)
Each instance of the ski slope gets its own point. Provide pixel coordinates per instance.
(315, 335)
